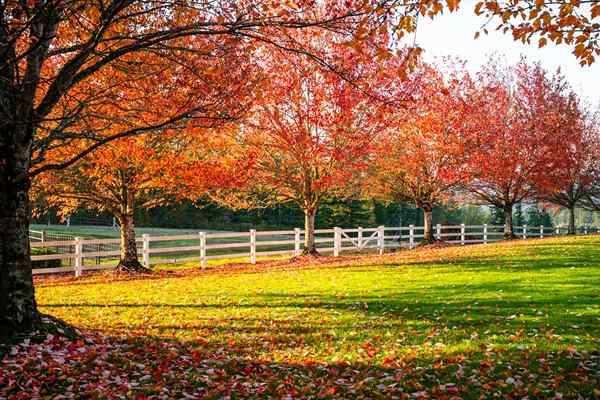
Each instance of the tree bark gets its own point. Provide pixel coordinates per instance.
(310, 247)
(128, 261)
(428, 237)
(509, 232)
(18, 310)
(572, 221)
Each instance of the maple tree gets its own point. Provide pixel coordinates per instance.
(575, 23)
(590, 166)
(136, 173)
(52, 54)
(517, 134)
(573, 184)
(311, 134)
(419, 158)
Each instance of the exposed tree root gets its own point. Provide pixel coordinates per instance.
(311, 252)
(306, 254)
(43, 326)
(132, 267)
(433, 243)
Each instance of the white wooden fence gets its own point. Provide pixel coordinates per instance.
(204, 246)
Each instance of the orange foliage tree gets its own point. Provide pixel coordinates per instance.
(136, 173)
(419, 159)
(521, 119)
(311, 134)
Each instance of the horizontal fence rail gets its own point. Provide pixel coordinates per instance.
(73, 254)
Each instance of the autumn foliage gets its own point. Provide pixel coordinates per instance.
(312, 131)
(420, 156)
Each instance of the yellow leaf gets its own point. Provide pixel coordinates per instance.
(542, 42)
(596, 11)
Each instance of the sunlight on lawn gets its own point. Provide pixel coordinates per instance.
(404, 323)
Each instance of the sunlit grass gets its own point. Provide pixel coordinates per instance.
(539, 296)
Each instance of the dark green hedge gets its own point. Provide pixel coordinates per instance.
(44, 263)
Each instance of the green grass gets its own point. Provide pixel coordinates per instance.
(472, 316)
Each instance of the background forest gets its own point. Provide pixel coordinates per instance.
(334, 212)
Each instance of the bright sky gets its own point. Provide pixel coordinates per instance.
(453, 35)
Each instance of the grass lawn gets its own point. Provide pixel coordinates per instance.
(507, 320)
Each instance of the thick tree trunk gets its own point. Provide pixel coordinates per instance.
(129, 257)
(18, 311)
(428, 237)
(310, 247)
(509, 232)
(572, 221)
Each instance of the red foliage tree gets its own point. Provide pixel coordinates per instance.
(419, 159)
(572, 184)
(522, 116)
(312, 132)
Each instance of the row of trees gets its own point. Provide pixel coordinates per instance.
(506, 135)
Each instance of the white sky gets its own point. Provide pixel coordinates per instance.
(452, 34)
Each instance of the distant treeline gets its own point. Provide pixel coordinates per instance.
(334, 212)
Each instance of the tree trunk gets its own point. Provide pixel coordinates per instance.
(572, 221)
(18, 310)
(509, 232)
(428, 237)
(129, 257)
(309, 233)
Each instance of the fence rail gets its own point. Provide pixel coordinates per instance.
(202, 246)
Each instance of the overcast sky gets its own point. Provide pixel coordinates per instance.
(453, 35)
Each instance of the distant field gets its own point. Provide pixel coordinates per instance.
(105, 232)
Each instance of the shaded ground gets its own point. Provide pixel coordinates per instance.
(499, 321)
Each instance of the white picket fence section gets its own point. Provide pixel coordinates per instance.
(204, 246)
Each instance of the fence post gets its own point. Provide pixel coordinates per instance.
(557, 231)
(296, 241)
(411, 236)
(380, 237)
(78, 257)
(360, 237)
(145, 250)
(438, 229)
(485, 234)
(462, 234)
(68, 221)
(253, 246)
(43, 237)
(202, 249)
(585, 230)
(524, 231)
(541, 231)
(336, 241)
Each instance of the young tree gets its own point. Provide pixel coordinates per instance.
(131, 174)
(52, 54)
(515, 138)
(419, 159)
(572, 185)
(311, 134)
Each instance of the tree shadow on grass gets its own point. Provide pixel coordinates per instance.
(493, 313)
